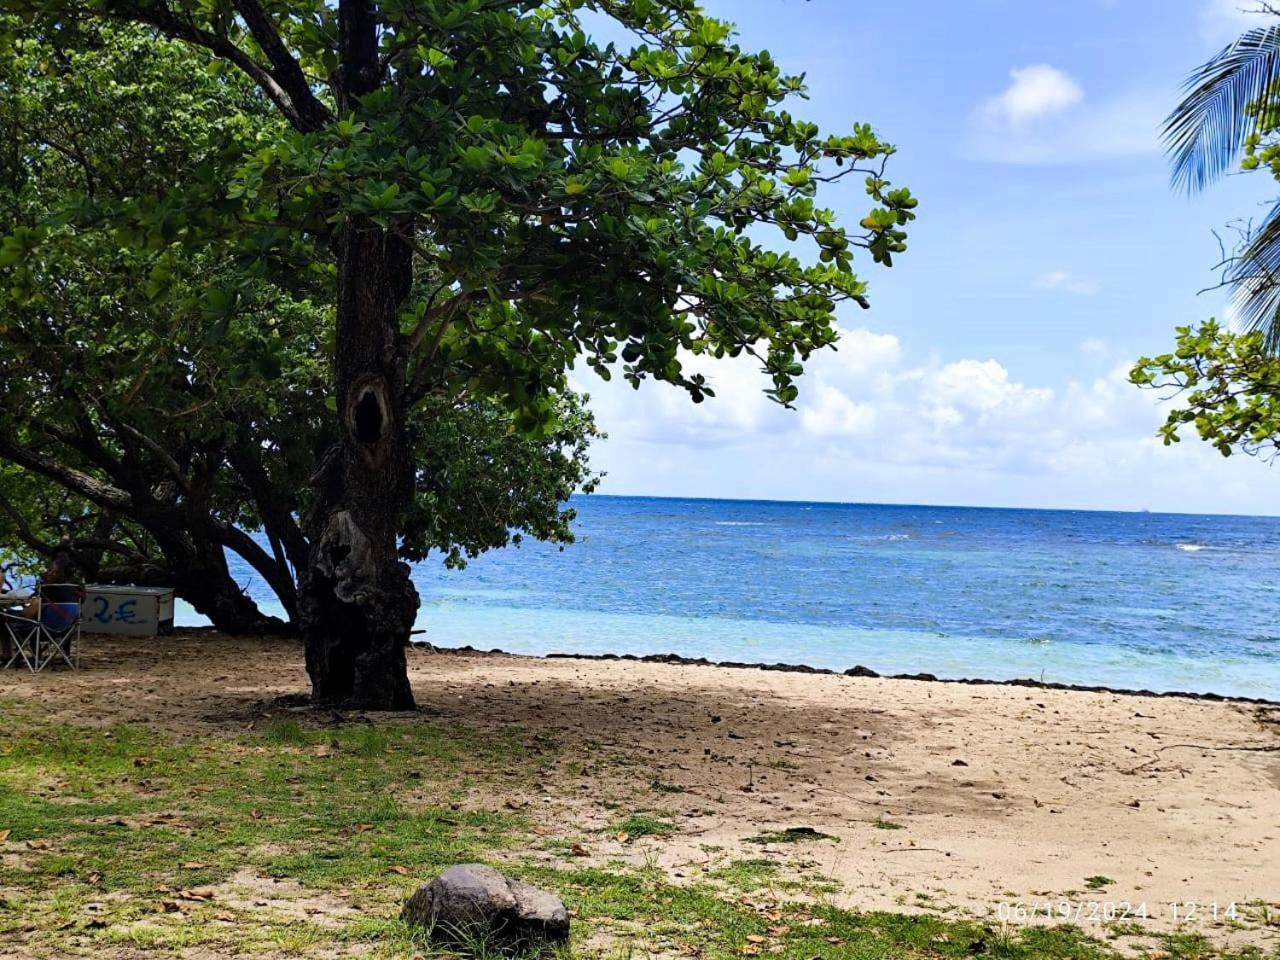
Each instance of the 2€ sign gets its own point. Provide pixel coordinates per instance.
(125, 611)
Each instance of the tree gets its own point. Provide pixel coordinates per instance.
(1229, 117)
(1225, 382)
(1228, 385)
(148, 434)
(121, 410)
(504, 197)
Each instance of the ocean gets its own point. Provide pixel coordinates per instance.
(1131, 600)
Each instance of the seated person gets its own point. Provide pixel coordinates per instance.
(53, 587)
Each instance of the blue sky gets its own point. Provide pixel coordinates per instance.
(1049, 253)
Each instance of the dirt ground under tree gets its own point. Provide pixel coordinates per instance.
(994, 802)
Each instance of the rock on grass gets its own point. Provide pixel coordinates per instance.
(472, 903)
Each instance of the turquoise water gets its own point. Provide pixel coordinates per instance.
(1157, 601)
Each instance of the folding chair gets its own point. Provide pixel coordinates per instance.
(24, 640)
(59, 627)
(53, 634)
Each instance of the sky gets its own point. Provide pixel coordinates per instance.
(1050, 252)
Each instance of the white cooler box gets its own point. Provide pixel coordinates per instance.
(134, 611)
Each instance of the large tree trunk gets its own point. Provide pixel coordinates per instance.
(206, 583)
(356, 601)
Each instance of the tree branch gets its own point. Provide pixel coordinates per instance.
(103, 494)
(306, 116)
(288, 73)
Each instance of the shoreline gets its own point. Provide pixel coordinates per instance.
(676, 659)
(858, 670)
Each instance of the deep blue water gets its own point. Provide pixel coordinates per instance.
(1162, 601)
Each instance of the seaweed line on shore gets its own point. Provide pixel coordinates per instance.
(857, 671)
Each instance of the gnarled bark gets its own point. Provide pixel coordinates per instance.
(357, 603)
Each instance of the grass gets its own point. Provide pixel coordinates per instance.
(127, 843)
(644, 825)
(746, 875)
(790, 835)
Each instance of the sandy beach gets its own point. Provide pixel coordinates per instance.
(990, 801)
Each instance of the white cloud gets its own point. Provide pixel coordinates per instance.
(1036, 91)
(830, 413)
(872, 426)
(1067, 282)
(1043, 117)
(982, 385)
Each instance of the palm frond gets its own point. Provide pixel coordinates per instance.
(1255, 280)
(1206, 131)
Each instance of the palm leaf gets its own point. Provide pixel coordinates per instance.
(1207, 130)
(1255, 280)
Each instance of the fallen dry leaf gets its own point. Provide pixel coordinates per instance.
(38, 844)
(578, 850)
(396, 868)
(192, 865)
(623, 837)
(4, 835)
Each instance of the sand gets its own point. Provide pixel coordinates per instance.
(970, 800)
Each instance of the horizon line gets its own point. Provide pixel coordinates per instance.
(929, 506)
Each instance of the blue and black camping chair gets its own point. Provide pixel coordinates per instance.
(53, 634)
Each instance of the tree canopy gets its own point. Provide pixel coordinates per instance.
(1227, 387)
(1229, 118)
(496, 191)
(149, 434)
(1222, 383)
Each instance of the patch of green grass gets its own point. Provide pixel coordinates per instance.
(1098, 882)
(129, 819)
(790, 835)
(1126, 928)
(657, 786)
(883, 824)
(118, 836)
(644, 825)
(746, 874)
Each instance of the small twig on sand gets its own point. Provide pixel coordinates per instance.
(1244, 748)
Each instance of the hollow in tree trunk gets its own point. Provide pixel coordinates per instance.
(357, 603)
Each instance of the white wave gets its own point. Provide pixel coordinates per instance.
(738, 523)
(1192, 547)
